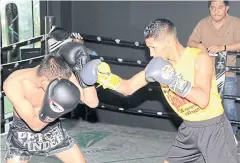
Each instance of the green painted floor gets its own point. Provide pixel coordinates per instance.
(104, 143)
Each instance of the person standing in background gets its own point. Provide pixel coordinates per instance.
(215, 33)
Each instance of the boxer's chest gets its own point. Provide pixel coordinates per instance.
(34, 95)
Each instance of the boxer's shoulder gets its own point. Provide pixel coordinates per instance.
(13, 80)
(203, 56)
(20, 80)
(203, 60)
(21, 74)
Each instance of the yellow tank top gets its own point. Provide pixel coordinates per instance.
(184, 108)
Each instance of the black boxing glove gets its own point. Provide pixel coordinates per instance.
(61, 97)
(76, 56)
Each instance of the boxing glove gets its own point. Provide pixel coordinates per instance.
(76, 57)
(99, 72)
(61, 97)
(162, 71)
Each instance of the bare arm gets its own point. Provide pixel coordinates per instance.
(88, 95)
(23, 107)
(233, 47)
(200, 93)
(195, 44)
(128, 87)
(229, 47)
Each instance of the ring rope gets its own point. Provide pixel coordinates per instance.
(236, 52)
(17, 62)
(95, 39)
(86, 37)
(113, 60)
(142, 112)
(228, 53)
(150, 113)
(150, 88)
(236, 123)
(113, 41)
(157, 88)
(237, 98)
(138, 111)
(231, 68)
(24, 43)
(121, 61)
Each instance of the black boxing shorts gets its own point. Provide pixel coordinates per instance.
(210, 141)
(22, 142)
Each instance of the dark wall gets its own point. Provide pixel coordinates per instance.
(62, 11)
(127, 20)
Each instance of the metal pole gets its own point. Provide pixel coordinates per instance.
(2, 98)
(49, 22)
(2, 114)
(13, 30)
(33, 25)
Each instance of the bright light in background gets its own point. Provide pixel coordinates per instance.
(28, 20)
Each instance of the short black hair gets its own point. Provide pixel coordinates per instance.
(53, 66)
(159, 26)
(226, 3)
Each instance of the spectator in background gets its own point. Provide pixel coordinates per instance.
(215, 33)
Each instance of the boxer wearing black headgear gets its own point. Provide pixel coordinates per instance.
(59, 36)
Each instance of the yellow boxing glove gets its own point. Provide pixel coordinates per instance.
(106, 78)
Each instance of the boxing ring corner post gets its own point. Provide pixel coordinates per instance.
(2, 98)
(2, 114)
(49, 22)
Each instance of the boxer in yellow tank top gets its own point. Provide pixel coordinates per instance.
(187, 78)
(186, 109)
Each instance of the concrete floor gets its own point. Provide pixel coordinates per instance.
(104, 143)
